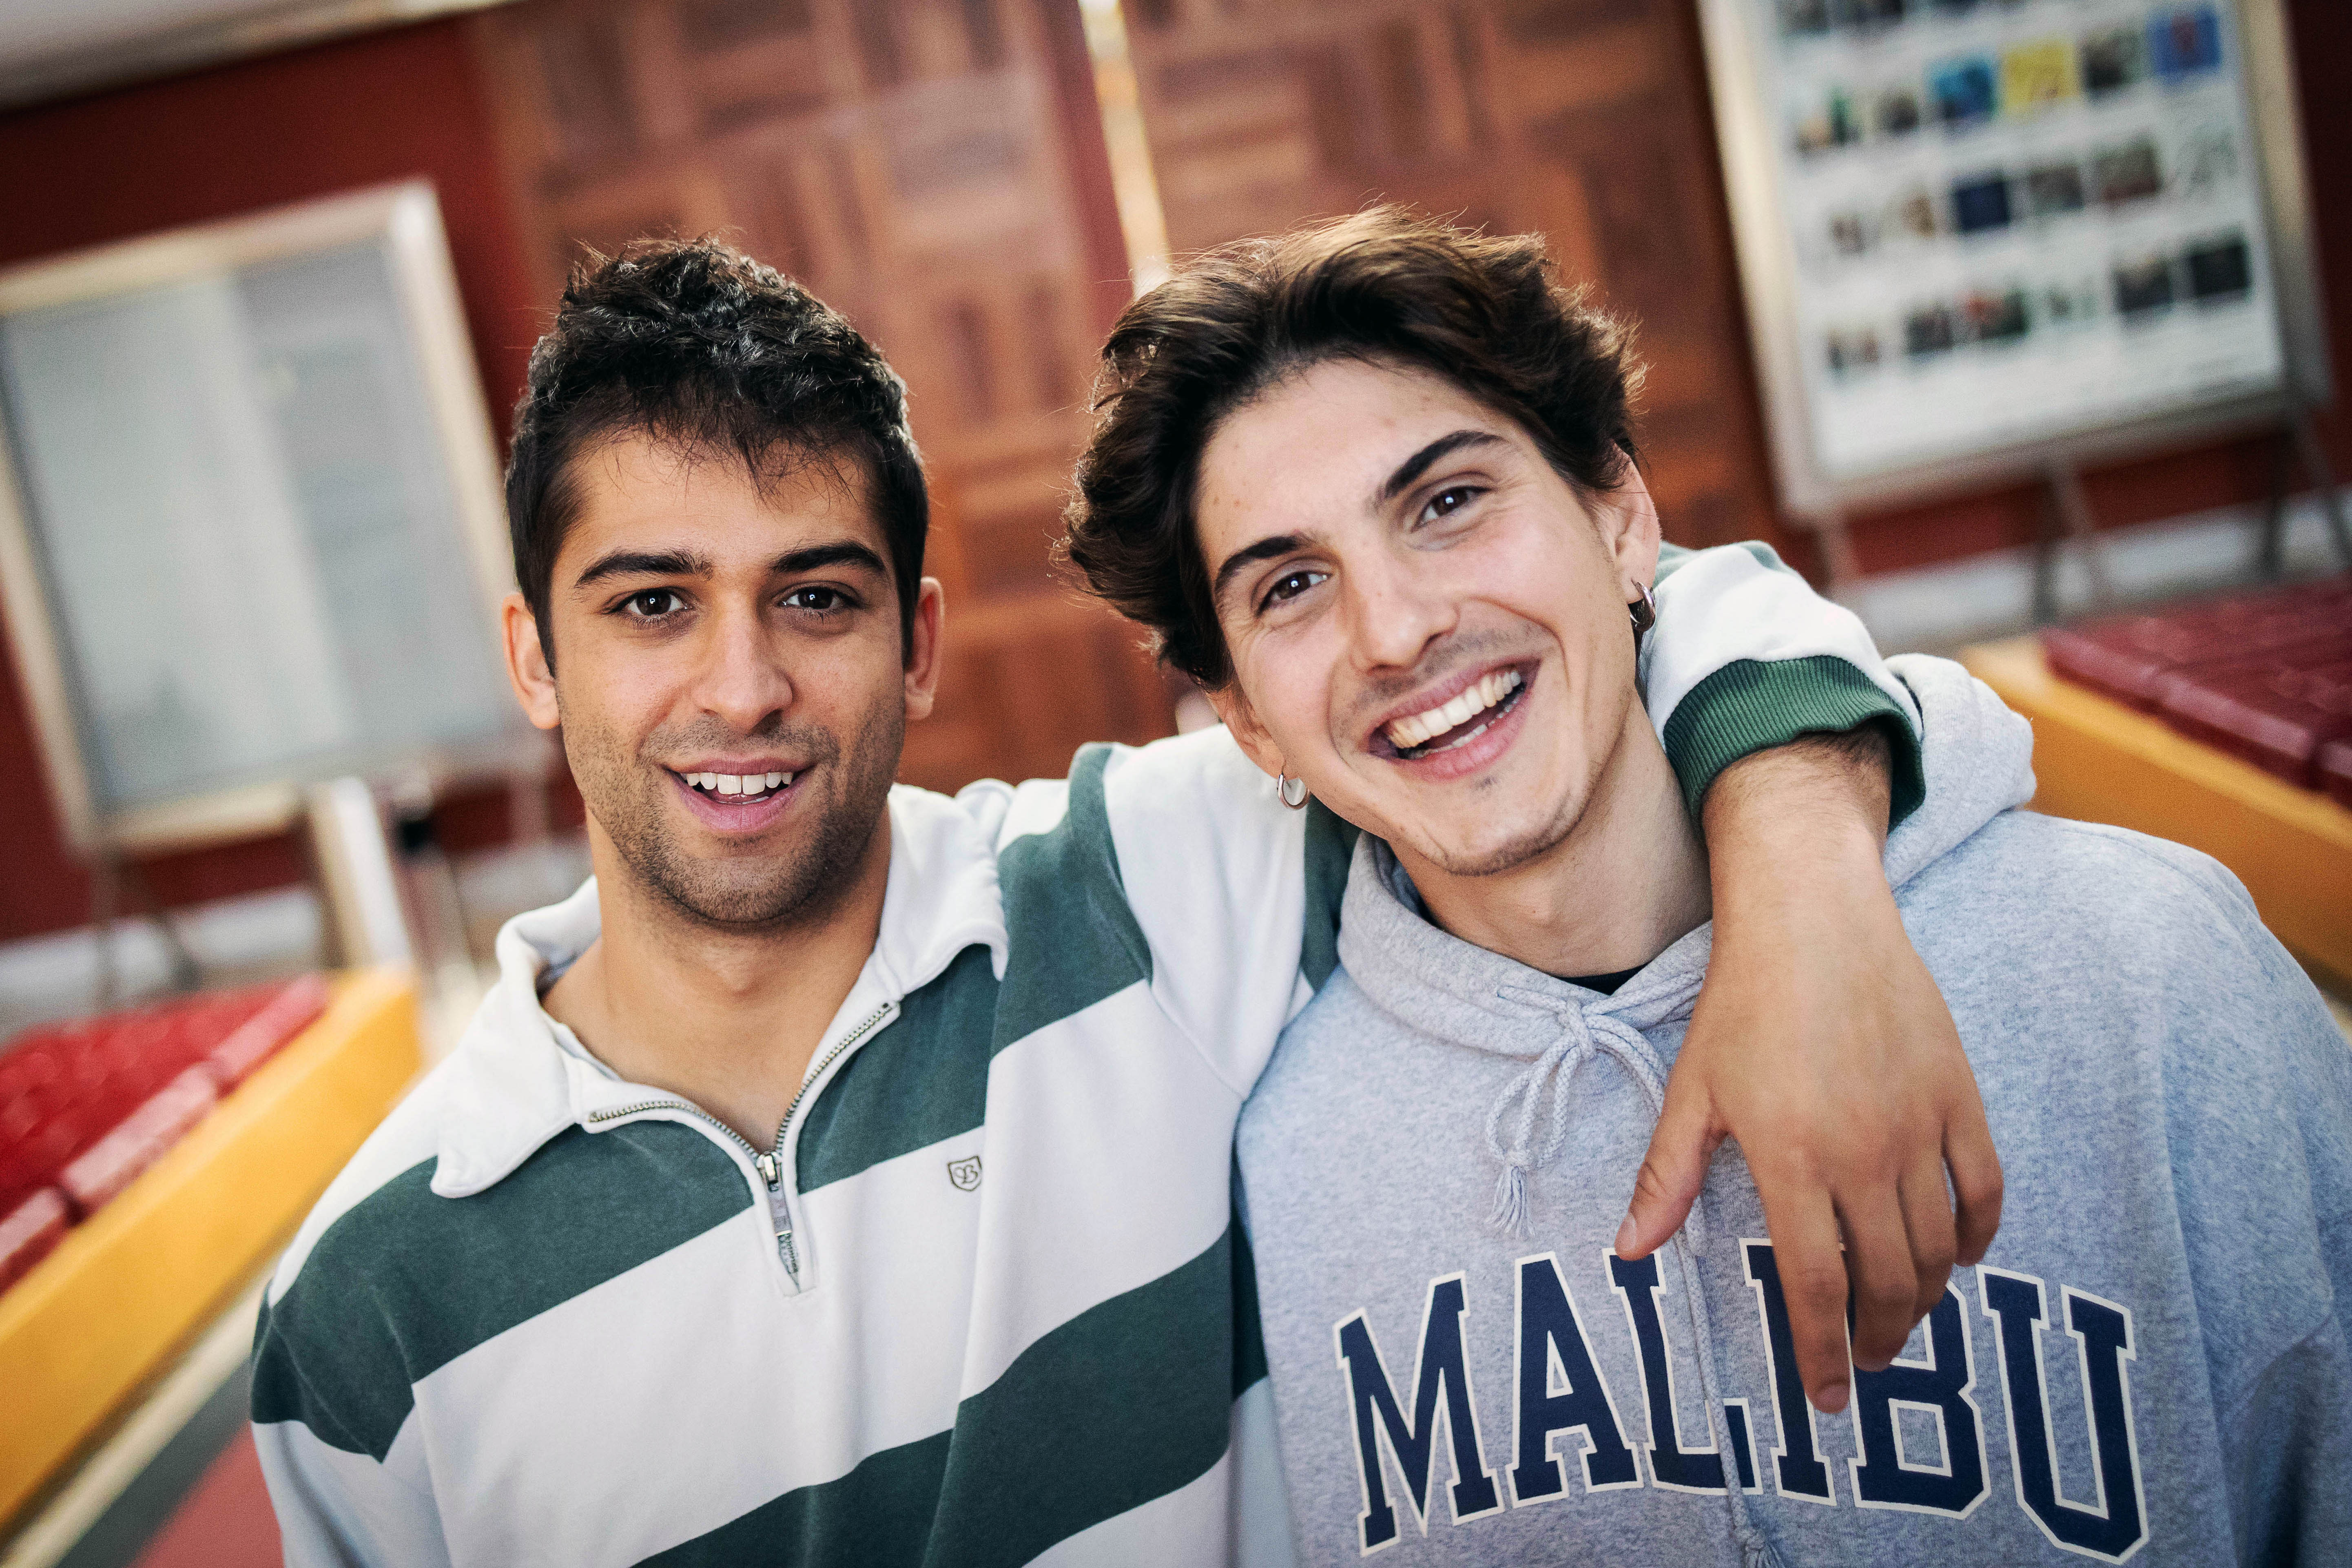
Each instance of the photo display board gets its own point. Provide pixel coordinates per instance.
(254, 534)
(1994, 223)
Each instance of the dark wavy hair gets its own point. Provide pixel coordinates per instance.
(698, 345)
(1386, 284)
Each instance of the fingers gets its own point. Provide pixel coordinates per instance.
(1813, 1282)
(1975, 1178)
(1884, 1284)
(1928, 1218)
(1671, 1171)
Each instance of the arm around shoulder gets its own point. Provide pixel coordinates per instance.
(1745, 656)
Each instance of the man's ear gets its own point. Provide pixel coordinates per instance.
(1628, 518)
(1241, 720)
(923, 649)
(527, 667)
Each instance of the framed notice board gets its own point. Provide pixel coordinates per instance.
(1976, 235)
(250, 530)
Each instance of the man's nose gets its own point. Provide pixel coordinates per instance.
(1394, 611)
(743, 679)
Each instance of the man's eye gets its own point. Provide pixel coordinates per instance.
(817, 599)
(1290, 584)
(1452, 499)
(653, 603)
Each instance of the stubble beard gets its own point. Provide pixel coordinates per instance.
(1542, 838)
(799, 883)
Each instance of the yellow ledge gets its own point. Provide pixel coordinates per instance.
(2099, 760)
(101, 1315)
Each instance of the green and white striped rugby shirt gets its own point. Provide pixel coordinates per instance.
(994, 1306)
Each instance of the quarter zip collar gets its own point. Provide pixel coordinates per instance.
(512, 1087)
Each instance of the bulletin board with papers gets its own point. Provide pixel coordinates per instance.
(1976, 232)
(250, 530)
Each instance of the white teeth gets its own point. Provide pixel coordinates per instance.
(736, 783)
(1417, 729)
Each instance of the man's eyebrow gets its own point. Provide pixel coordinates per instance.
(645, 564)
(1266, 549)
(1412, 467)
(817, 557)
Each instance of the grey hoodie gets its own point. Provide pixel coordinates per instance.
(2148, 1366)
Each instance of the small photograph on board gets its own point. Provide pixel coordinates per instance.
(1930, 330)
(1913, 214)
(1831, 123)
(2208, 159)
(2184, 43)
(2113, 59)
(1967, 92)
(1852, 232)
(1851, 350)
(1804, 18)
(2220, 269)
(2126, 174)
(1896, 111)
(2143, 287)
(2070, 303)
(2037, 76)
(1980, 202)
(2051, 189)
(1995, 317)
(1867, 16)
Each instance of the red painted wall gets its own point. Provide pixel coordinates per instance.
(2217, 476)
(384, 106)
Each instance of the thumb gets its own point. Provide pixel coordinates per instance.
(1672, 1173)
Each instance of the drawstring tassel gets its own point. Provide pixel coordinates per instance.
(1755, 1552)
(1510, 1215)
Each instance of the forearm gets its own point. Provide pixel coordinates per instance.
(1779, 820)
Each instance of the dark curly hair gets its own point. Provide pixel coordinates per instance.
(698, 345)
(1387, 285)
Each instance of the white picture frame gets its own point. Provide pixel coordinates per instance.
(1759, 75)
(407, 313)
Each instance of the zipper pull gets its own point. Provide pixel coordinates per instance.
(771, 1170)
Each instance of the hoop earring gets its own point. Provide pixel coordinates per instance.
(1644, 611)
(1295, 800)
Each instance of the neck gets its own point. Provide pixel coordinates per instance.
(727, 1020)
(1628, 880)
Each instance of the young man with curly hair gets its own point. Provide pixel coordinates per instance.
(844, 1176)
(1374, 486)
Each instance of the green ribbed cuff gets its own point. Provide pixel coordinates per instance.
(1754, 705)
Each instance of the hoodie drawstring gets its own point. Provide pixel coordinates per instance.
(1584, 1036)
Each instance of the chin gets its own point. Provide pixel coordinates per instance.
(1482, 850)
(746, 893)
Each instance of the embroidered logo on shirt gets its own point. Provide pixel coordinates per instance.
(964, 1174)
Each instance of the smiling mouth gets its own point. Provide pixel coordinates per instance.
(1459, 722)
(737, 789)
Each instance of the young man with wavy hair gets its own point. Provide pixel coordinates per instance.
(1374, 486)
(844, 1176)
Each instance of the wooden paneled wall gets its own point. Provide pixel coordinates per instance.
(1583, 119)
(934, 169)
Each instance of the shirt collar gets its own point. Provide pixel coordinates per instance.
(513, 1086)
